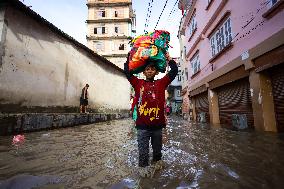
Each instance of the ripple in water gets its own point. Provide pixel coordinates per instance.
(102, 155)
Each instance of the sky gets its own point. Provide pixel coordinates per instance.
(70, 17)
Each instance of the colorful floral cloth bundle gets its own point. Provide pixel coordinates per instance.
(149, 48)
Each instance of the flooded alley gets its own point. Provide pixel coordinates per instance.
(103, 156)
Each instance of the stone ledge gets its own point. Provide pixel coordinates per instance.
(19, 123)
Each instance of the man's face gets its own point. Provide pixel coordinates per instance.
(150, 72)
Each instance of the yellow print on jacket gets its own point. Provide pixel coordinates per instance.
(149, 111)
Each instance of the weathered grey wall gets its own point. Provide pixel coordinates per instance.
(42, 69)
(3, 30)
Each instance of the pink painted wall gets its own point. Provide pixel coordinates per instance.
(242, 11)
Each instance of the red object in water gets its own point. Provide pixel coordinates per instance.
(18, 139)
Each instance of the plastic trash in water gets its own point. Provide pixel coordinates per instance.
(45, 135)
(18, 139)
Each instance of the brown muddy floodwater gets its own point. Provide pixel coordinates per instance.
(103, 156)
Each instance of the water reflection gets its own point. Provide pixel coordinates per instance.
(103, 156)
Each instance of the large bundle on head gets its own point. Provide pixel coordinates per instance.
(149, 48)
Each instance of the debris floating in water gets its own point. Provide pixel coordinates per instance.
(18, 139)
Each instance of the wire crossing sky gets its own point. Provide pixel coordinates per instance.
(161, 14)
(174, 8)
(149, 12)
(169, 19)
(73, 19)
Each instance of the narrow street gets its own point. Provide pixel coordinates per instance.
(103, 156)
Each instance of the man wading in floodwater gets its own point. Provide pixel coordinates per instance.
(150, 111)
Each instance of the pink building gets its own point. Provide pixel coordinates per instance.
(234, 54)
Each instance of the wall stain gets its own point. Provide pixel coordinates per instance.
(66, 81)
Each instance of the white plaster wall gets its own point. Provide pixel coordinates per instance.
(41, 68)
(118, 61)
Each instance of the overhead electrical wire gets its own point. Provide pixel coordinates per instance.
(161, 14)
(173, 9)
(149, 12)
(146, 20)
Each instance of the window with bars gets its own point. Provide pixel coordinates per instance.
(100, 30)
(192, 25)
(195, 63)
(221, 37)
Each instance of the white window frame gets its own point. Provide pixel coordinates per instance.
(119, 29)
(192, 25)
(178, 93)
(208, 2)
(101, 30)
(179, 75)
(272, 3)
(186, 73)
(195, 63)
(119, 13)
(101, 13)
(99, 46)
(222, 37)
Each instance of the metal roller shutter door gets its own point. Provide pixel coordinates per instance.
(277, 79)
(202, 105)
(235, 98)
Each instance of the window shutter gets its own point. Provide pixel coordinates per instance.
(103, 30)
(202, 106)
(95, 30)
(235, 98)
(277, 81)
